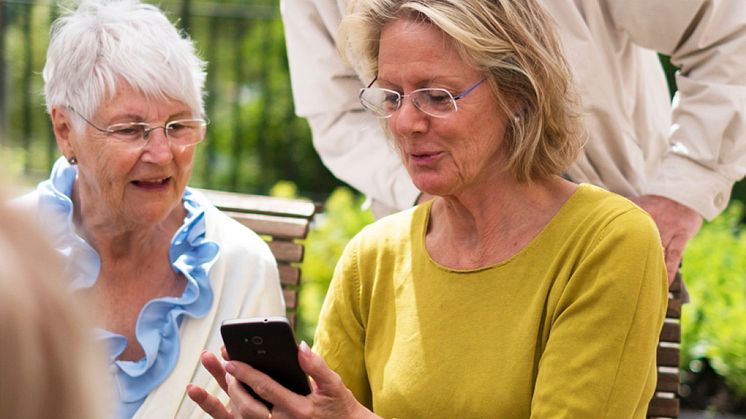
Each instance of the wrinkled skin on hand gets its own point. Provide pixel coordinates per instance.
(329, 397)
(677, 224)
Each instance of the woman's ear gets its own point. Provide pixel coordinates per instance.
(63, 131)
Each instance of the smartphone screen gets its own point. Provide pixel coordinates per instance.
(268, 345)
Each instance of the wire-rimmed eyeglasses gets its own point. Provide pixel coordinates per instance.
(181, 132)
(433, 101)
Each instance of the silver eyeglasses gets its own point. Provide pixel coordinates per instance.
(182, 132)
(433, 101)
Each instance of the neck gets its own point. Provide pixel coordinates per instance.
(492, 225)
(117, 237)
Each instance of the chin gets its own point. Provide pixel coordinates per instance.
(432, 186)
(156, 212)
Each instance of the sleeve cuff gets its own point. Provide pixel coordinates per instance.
(693, 185)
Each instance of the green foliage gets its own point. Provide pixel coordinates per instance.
(12, 181)
(713, 323)
(739, 194)
(284, 189)
(342, 218)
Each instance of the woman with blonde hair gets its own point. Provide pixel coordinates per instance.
(514, 293)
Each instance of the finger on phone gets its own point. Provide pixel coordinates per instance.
(213, 365)
(315, 366)
(207, 402)
(262, 384)
(241, 401)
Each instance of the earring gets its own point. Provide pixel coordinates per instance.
(72, 160)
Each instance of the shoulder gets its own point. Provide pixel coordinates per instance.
(609, 229)
(392, 231)
(594, 220)
(236, 241)
(600, 208)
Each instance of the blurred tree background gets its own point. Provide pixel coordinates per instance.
(254, 140)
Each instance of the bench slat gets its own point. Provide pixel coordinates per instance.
(289, 275)
(674, 308)
(291, 300)
(668, 357)
(665, 402)
(259, 204)
(273, 225)
(663, 407)
(671, 332)
(668, 381)
(286, 251)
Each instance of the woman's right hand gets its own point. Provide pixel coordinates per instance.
(329, 397)
(206, 401)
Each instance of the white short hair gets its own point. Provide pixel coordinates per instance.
(103, 43)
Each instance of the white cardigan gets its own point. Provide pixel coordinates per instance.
(245, 283)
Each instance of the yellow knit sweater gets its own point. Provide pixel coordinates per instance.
(566, 328)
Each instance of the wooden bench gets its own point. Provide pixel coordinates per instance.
(665, 402)
(282, 222)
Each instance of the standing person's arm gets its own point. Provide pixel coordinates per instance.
(350, 142)
(707, 142)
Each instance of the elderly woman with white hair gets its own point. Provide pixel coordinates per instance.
(124, 90)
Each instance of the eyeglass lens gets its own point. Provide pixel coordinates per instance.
(181, 132)
(384, 102)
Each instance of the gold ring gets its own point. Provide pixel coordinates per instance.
(269, 415)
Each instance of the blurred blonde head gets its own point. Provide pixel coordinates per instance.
(50, 367)
(515, 45)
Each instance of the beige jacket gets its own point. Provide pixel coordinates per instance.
(691, 152)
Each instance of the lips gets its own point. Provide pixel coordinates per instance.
(424, 157)
(152, 183)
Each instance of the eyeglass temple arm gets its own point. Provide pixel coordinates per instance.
(461, 95)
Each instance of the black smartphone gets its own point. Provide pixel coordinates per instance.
(268, 345)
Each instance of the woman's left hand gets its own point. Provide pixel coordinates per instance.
(329, 397)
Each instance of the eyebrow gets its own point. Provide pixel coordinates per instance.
(131, 117)
(441, 80)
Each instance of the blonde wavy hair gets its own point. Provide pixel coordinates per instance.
(50, 366)
(515, 45)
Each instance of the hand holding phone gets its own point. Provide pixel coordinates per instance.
(268, 345)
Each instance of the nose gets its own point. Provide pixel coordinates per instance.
(146, 134)
(408, 119)
(157, 147)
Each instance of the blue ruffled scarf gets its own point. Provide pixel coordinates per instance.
(157, 328)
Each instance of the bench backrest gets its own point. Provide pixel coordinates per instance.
(282, 222)
(665, 402)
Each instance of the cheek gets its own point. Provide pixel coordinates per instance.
(481, 148)
(184, 160)
(113, 177)
(489, 135)
(112, 169)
